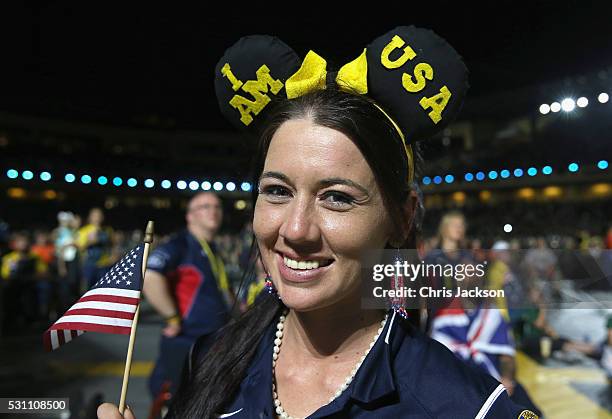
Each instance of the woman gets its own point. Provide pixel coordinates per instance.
(334, 179)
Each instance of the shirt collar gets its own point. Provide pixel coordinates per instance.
(374, 380)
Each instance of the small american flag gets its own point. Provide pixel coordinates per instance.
(108, 307)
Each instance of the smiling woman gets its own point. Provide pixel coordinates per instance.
(334, 176)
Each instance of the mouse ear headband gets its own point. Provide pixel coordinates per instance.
(414, 77)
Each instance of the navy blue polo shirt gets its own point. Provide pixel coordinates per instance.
(200, 300)
(405, 375)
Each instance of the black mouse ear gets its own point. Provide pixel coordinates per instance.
(249, 74)
(418, 78)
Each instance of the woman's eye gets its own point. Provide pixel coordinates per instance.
(275, 191)
(338, 199)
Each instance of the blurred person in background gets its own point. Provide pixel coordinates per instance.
(66, 254)
(44, 248)
(187, 285)
(502, 276)
(541, 265)
(94, 241)
(26, 288)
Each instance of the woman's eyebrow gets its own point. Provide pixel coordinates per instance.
(324, 183)
(274, 175)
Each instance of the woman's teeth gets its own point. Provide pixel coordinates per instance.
(302, 264)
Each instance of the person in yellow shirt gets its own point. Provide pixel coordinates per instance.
(21, 261)
(94, 242)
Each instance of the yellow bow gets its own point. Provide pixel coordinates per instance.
(352, 77)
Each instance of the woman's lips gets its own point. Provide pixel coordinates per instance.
(299, 275)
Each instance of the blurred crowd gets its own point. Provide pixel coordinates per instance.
(44, 271)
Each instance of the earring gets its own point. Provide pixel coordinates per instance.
(270, 286)
(397, 283)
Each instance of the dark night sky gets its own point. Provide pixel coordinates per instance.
(117, 65)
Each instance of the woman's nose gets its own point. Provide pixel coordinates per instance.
(299, 224)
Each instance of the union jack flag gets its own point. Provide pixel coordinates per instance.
(478, 336)
(108, 307)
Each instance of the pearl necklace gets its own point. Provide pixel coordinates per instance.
(279, 340)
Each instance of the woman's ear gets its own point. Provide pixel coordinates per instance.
(408, 217)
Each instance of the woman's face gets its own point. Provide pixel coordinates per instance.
(318, 209)
(454, 229)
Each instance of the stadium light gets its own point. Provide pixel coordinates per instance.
(86, 179)
(230, 186)
(117, 181)
(69, 177)
(166, 184)
(603, 97)
(27, 175)
(217, 186)
(194, 185)
(582, 102)
(426, 180)
(149, 183)
(492, 175)
(45, 176)
(518, 172)
(507, 228)
(547, 170)
(245, 186)
(568, 104)
(181, 184)
(12, 174)
(131, 182)
(449, 178)
(102, 180)
(480, 176)
(573, 167)
(469, 177)
(437, 180)
(544, 108)
(532, 171)
(602, 164)
(555, 107)
(206, 185)
(505, 174)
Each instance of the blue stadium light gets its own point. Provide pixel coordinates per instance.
(505, 174)
(602, 164)
(532, 171)
(45, 176)
(573, 167)
(468, 177)
(547, 170)
(480, 176)
(449, 178)
(102, 180)
(27, 175)
(206, 185)
(194, 185)
(69, 177)
(426, 180)
(166, 184)
(117, 181)
(86, 179)
(437, 180)
(181, 184)
(149, 183)
(518, 172)
(131, 182)
(230, 186)
(492, 175)
(217, 186)
(12, 174)
(245, 186)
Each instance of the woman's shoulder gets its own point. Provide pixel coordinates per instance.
(434, 377)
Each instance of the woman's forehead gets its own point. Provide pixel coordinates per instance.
(300, 146)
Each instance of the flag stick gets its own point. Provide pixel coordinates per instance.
(148, 239)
